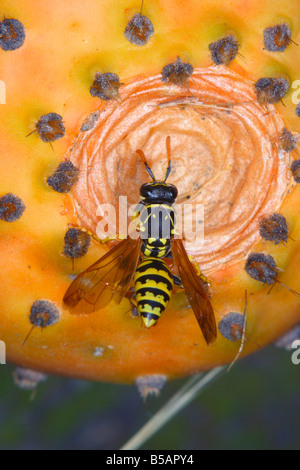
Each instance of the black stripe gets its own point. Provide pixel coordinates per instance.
(153, 290)
(156, 278)
(155, 251)
(159, 211)
(150, 316)
(153, 264)
(151, 303)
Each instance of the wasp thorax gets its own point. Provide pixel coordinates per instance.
(158, 192)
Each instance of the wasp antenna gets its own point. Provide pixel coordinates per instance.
(168, 145)
(30, 331)
(142, 155)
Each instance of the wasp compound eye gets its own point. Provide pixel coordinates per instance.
(12, 34)
(11, 208)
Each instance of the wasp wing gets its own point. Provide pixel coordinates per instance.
(195, 292)
(109, 278)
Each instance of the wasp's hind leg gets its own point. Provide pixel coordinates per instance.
(134, 308)
(133, 311)
(204, 280)
(177, 281)
(133, 303)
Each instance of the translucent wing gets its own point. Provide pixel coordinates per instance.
(109, 278)
(195, 292)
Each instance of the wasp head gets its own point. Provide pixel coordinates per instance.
(158, 192)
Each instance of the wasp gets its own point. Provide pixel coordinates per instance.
(142, 260)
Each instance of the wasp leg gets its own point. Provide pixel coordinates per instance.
(119, 236)
(177, 281)
(204, 280)
(134, 308)
(177, 287)
(130, 295)
(91, 234)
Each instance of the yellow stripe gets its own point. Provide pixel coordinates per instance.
(159, 272)
(148, 309)
(162, 240)
(159, 285)
(150, 270)
(149, 323)
(152, 296)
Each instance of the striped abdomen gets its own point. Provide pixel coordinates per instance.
(153, 287)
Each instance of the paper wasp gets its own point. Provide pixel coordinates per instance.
(142, 261)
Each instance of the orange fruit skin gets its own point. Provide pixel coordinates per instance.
(66, 44)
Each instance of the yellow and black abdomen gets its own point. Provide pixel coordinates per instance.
(153, 288)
